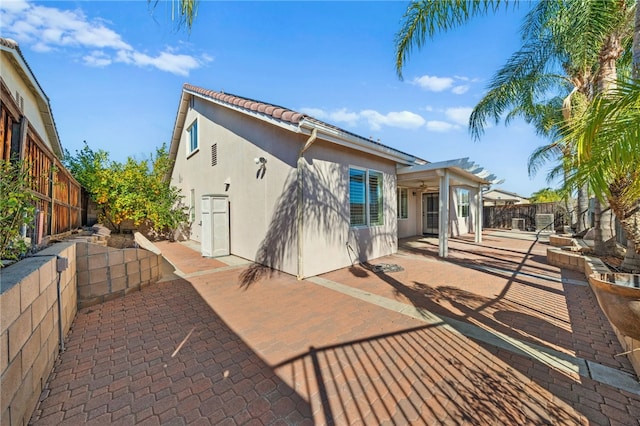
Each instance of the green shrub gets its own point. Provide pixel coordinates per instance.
(16, 207)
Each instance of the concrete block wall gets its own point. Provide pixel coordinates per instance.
(106, 273)
(560, 241)
(633, 347)
(594, 265)
(29, 327)
(590, 265)
(574, 261)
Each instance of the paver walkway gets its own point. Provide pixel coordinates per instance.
(350, 347)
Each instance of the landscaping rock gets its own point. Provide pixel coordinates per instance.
(101, 230)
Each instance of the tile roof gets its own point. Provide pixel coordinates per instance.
(274, 111)
(280, 113)
(7, 42)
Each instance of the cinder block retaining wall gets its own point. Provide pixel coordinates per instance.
(575, 261)
(29, 327)
(29, 341)
(106, 273)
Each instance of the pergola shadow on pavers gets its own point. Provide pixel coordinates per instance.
(542, 322)
(514, 291)
(442, 342)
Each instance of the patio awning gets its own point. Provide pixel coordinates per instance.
(440, 177)
(462, 172)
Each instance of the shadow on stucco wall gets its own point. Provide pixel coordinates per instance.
(325, 210)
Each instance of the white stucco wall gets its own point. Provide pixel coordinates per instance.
(329, 241)
(263, 208)
(413, 224)
(256, 200)
(15, 82)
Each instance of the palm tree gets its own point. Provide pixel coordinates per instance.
(574, 44)
(547, 63)
(183, 12)
(608, 153)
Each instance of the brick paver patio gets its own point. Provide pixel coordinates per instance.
(217, 347)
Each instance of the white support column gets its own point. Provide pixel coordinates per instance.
(479, 203)
(443, 225)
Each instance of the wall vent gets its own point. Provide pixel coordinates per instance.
(214, 154)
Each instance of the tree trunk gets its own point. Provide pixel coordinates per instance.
(629, 217)
(604, 240)
(631, 260)
(604, 225)
(584, 221)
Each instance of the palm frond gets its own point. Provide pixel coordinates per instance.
(542, 155)
(424, 19)
(608, 142)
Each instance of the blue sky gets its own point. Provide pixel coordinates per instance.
(114, 71)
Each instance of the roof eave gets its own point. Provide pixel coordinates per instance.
(44, 105)
(334, 135)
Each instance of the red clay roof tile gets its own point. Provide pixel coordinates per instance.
(274, 111)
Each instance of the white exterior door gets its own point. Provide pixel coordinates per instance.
(430, 213)
(215, 226)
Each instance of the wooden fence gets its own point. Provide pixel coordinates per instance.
(57, 193)
(502, 216)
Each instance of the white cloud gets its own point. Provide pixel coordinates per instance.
(318, 113)
(459, 90)
(375, 119)
(433, 83)
(464, 78)
(48, 28)
(344, 116)
(13, 6)
(459, 115)
(97, 58)
(402, 119)
(440, 126)
(440, 84)
(165, 61)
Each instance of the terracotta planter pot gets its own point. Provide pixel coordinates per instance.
(619, 297)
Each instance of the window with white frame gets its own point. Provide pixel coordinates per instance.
(463, 202)
(365, 197)
(403, 203)
(192, 132)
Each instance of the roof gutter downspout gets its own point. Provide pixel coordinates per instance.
(300, 169)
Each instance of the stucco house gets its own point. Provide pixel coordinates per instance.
(305, 197)
(500, 197)
(28, 132)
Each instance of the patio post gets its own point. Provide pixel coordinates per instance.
(479, 220)
(443, 225)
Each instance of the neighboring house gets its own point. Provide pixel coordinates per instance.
(499, 197)
(305, 197)
(28, 132)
